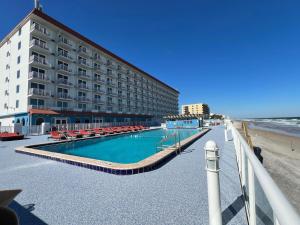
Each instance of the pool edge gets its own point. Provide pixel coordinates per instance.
(150, 163)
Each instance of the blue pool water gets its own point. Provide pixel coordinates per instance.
(126, 148)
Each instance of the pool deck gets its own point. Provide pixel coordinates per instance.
(176, 193)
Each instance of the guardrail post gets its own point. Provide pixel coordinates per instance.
(213, 183)
(252, 206)
(226, 133)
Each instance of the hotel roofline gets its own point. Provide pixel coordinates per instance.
(67, 29)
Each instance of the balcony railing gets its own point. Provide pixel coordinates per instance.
(98, 90)
(82, 86)
(83, 62)
(64, 68)
(82, 99)
(83, 51)
(65, 42)
(64, 82)
(98, 101)
(96, 79)
(37, 75)
(38, 92)
(40, 29)
(63, 96)
(39, 60)
(83, 74)
(65, 55)
(40, 44)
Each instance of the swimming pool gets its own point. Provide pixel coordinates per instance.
(119, 154)
(125, 148)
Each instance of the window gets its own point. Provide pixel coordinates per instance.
(18, 74)
(19, 45)
(17, 103)
(19, 59)
(17, 88)
(20, 31)
(7, 54)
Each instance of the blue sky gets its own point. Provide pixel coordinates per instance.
(240, 57)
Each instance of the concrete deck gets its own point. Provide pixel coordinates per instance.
(59, 193)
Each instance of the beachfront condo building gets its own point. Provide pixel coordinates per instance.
(198, 109)
(51, 73)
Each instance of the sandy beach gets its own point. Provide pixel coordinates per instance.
(281, 158)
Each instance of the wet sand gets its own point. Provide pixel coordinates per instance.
(281, 158)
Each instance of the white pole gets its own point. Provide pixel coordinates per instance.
(225, 132)
(213, 183)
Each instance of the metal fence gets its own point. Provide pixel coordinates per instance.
(8, 129)
(265, 203)
(79, 126)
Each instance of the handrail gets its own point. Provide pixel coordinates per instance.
(283, 210)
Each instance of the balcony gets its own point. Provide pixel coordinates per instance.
(40, 46)
(97, 67)
(63, 82)
(39, 61)
(82, 99)
(38, 92)
(65, 42)
(83, 75)
(113, 94)
(64, 56)
(64, 96)
(33, 75)
(82, 86)
(111, 84)
(83, 63)
(98, 59)
(99, 80)
(98, 101)
(63, 68)
(39, 30)
(99, 91)
(83, 51)
(110, 65)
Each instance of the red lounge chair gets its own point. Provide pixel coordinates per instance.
(57, 135)
(73, 134)
(99, 131)
(108, 130)
(10, 136)
(87, 133)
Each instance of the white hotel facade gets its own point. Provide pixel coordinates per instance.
(50, 73)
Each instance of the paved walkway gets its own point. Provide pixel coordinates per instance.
(62, 194)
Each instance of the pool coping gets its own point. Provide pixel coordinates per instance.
(150, 163)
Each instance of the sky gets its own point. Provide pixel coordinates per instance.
(240, 57)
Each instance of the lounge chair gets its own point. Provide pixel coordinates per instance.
(10, 136)
(87, 133)
(57, 135)
(73, 134)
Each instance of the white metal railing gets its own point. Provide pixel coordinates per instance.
(39, 43)
(39, 60)
(38, 75)
(258, 184)
(79, 126)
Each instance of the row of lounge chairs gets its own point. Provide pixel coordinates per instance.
(73, 134)
(5, 136)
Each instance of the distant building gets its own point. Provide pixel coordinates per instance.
(199, 108)
(51, 73)
(184, 121)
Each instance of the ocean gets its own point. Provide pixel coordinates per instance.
(284, 125)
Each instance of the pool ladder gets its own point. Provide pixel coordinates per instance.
(177, 144)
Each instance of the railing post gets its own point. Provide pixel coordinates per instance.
(225, 132)
(252, 206)
(213, 182)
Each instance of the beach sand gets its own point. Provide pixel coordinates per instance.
(281, 158)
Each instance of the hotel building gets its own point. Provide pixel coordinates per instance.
(51, 73)
(199, 109)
